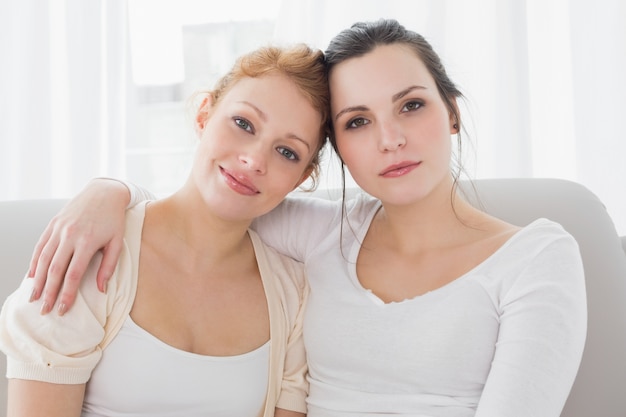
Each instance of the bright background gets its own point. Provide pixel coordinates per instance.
(100, 87)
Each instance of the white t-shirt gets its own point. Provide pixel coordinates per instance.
(503, 340)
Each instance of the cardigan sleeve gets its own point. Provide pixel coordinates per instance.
(286, 290)
(137, 194)
(52, 348)
(294, 386)
(65, 349)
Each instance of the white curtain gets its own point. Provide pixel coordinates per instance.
(544, 80)
(63, 101)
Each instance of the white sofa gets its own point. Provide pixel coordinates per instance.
(600, 387)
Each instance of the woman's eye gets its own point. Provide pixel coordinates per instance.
(288, 153)
(243, 124)
(411, 105)
(358, 122)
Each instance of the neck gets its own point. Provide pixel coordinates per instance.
(183, 227)
(433, 222)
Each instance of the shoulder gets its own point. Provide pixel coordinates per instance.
(543, 233)
(276, 267)
(112, 306)
(129, 258)
(540, 255)
(542, 249)
(284, 281)
(134, 219)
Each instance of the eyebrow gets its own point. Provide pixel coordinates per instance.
(394, 98)
(350, 109)
(263, 117)
(406, 91)
(298, 138)
(258, 111)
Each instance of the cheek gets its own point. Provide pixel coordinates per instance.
(350, 148)
(436, 132)
(207, 152)
(201, 167)
(204, 151)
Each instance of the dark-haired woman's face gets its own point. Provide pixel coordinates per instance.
(392, 127)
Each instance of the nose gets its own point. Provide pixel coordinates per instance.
(254, 159)
(391, 137)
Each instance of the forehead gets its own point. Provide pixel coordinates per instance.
(254, 86)
(385, 70)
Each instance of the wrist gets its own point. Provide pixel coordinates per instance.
(114, 188)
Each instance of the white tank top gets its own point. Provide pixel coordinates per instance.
(139, 375)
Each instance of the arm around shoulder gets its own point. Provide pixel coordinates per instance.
(92, 221)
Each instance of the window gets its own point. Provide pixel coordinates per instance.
(177, 49)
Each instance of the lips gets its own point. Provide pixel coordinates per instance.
(399, 169)
(239, 182)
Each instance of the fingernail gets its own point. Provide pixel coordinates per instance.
(61, 309)
(45, 308)
(33, 295)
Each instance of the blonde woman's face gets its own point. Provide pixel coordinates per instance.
(256, 146)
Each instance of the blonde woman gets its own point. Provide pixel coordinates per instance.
(200, 318)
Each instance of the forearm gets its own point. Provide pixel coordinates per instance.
(122, 192)
(110, 188)
(279, 412)
(135, 193)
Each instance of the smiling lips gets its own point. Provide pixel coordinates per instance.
(239, 183)
(398, 170)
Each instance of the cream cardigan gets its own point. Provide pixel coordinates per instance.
(65, 350)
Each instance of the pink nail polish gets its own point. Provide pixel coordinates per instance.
(45, 308)
(61, 309)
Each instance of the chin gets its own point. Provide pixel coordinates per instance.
(404, 195)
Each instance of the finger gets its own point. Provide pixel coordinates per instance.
(53, 277)
(73, 276)
(111, 254)
(35, 259)
(43, 265)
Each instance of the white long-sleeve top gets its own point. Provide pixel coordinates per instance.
(503, 340)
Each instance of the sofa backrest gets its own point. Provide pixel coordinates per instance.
(601, 381)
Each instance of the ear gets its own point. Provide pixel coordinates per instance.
(455, 124)
(204, 111)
